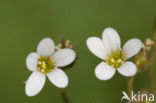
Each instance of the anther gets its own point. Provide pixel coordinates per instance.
(112, 60)
(119, 60)
(43, 64)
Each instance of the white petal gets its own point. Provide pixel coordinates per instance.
(132, 47)
(64, 57)
(46, 47)
(104, 72)
(95, 45)
(58, 78)
(111, 39)
(34, 83)
(31, 61)
(128, 69)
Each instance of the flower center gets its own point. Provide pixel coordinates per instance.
(45, 64)
(116, 59)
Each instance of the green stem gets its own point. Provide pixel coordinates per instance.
(130, 85)
(151, 69)
(64, 96)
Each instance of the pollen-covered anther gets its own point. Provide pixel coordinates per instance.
(45, 64)
(119, 60)
(112, 60)
(116, 59)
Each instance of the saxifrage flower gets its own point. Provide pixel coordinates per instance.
(47, 62)
(114, 58)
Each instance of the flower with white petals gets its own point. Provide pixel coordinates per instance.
(47, 62)
(114, 58)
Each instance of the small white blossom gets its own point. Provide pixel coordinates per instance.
(46, 62)
(114, 58)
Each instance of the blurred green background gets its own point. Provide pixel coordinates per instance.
(23, 23)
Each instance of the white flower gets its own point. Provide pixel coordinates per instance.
(46, 62)
(109, 50)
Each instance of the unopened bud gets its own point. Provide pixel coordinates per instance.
(149, 42)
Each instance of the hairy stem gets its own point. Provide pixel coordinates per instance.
(64, 96)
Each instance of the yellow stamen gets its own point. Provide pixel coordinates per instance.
(116, 59)
(45, 64)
